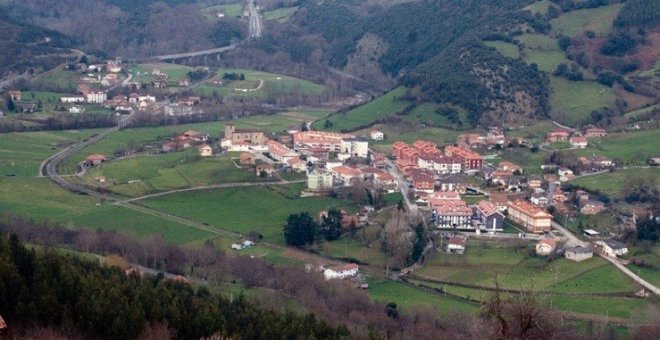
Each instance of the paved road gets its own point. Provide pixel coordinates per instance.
(255, 21)
(572, 240)
(403, 186)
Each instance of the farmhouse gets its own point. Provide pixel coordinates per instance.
(95, 159)
(489, 216)
(529, 216)
(613, 247)
(205, 150)
(579, 142)
(595, 132)
(592, 207)
(546, 246)
(578, 254)
(377, 135)
(456, 245)
(557, 136)
(341, 272)
(236, 136)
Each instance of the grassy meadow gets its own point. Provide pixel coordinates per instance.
(631, 148)
(280, 14)
(506, 49)
(598, 20)
(613, 183)
(573, 101)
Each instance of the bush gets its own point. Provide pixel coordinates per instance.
(618, 44)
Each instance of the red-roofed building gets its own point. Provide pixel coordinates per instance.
(346, 174)
(95, 159)
(397, 148)
(546, 246)
(280, 152)
(410, 154)
(471, 160)
(328, 141)
(456, 245)
(450, 213)
(423, 183)
(579, 142)
(595, 132)
(557, 136)
(296, 164)
(529, 216)
(489, 215)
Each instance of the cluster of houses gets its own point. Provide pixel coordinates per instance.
(578, 140)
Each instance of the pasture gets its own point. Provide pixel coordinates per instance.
(540, 7)
(230, 10)
(369, 113)
(613, 183)
(40, 199)
(242, 210)
(56, 80)
(144, 72)
(351, 248)
(571, 102)
(408, 296)
(631, 148)
(280, 14)
(598, 20)
(506, 49)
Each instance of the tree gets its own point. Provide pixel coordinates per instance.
(328, 124)
(331, 224)
(300, 229)
(648, 229)
(11, 106)
(420, 242)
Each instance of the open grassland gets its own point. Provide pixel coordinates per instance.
(408, 296)
(542, 50)
(272, 85)
(535, 133)
(144, 72)
(351, 248)
(540, 7)
(280, 14)
(631, 148)
(603, 279)
(636, 113)
(571, 102)
(530, 161)
(486, 262)
(57, 79)
(242, 210)
(40, 199)
(369, 113)
(613, 183)
(506, 49)
(154, 173)
(598, 20)
(231, 10)
(21, 154)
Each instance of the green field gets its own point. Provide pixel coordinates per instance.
(571, 102)
(280, 14)
(408, 296)
(351, 248)
(506, 49)
(598, 20)
(631, 148)
(613, 183)
(143, 72)
(594, 281)
(57, 79)
(426, 113)
(531, 162)
(231, 10)
(245, 209)
(369, 113)
(543, 51)
(274, 85)
(21, 154)
(40, 199)
(540, 7)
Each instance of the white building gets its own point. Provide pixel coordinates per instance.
(76, 109)
(355, 147)
(72, 99)
(613, 247)
(578, 254)
(319, 181)
(456, 245)
(546, 246)
(97, 97)
(341, 272)
(377, 135)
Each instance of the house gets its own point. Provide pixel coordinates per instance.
(592, 207)
(450, 213)
(535, 181)
(509, 167)
(319, 180)
(341, 272)
(456, 245)
(280, 152)
(346, 174)
(613, 248)
(545, 246)
(423, 183)
(489, 215)
(264, 169)
(579, 142)
(578, 254)
(397, 149)
(565, 172)
(557, 136)
(529, 216)
(95, 159)
(15, 95)
(297, 164)
(327, 141)
(440, 164)
(234, 136)
(499, 200)
(595, 132)
(601, 162)
(96, 97)
(205, 150)
(377, 135)
(539, 200)
(455, 182)
(386, 181)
